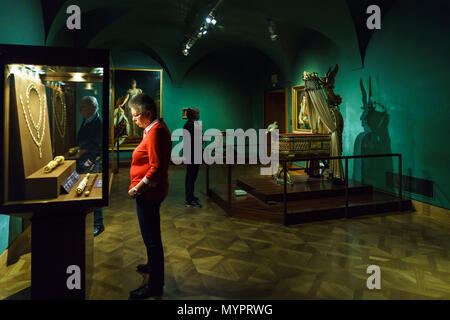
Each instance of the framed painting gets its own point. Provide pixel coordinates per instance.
(127, 83)
(184, 113)
(300, 111)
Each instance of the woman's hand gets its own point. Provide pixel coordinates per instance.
(132, 193)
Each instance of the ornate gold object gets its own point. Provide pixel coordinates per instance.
(73, 151)
(37, 127)
(82, 185)
(60, 115)
(91, 185)
(53, 164)
(327, 82)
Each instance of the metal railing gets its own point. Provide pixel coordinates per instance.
(284, 162)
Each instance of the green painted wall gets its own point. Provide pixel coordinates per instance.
(407, 61)
(227, 87)
(21, 23)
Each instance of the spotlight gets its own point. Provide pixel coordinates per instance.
(208, 19)
(213, 21)
(271, 28)
(205, 31)
(185, 52)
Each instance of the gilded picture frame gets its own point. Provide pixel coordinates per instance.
(300, 110)
(127, 83)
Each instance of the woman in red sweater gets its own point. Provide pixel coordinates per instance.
(149, 186)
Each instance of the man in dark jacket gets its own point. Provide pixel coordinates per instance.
(89, 138)
(193, 115)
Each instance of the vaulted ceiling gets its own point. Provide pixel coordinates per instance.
(159, 27)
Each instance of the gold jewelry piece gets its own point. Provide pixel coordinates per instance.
(40, 138)
(53, 164)
(60, 123)
(73, 151)
(91, 185)
(82, 185)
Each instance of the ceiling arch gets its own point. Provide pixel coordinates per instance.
(163, 25)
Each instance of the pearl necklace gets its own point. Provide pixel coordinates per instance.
(38, 141)
(60, 124)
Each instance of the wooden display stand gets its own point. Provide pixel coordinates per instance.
(40, 185)
(61, 235)
(60, 238)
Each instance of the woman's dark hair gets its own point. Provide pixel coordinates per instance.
(191, 114)
(144, 102)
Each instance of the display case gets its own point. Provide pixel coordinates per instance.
(54, 140)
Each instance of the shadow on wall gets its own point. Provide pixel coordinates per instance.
(374, 139)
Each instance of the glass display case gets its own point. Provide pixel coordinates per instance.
(54, 140)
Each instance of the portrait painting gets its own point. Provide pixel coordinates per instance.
(301, 110)
(128, 83)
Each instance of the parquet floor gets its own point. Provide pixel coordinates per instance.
(211, 256)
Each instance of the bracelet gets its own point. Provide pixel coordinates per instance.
(135, 190)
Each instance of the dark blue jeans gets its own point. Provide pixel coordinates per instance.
(189, 182)
(149, 222)
(98, 218)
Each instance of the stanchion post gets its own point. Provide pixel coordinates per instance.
(400, 183)
(346, 186)
(285, 220)
(229, 189)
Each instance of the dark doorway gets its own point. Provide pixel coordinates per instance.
(275, 108)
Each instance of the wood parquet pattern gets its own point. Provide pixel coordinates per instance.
(209, 255)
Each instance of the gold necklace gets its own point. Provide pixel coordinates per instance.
(60, 124)
(38, 141)
(30, 87)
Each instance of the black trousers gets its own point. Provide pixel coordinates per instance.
(191, 176)
(149, 223)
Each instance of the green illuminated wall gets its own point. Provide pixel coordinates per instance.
(227, 87)
(407, 61)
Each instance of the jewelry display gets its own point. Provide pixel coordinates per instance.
(53, 164)
(91, 185)
(82, 185)
(60, 123)
(73, 151)
(36, 127)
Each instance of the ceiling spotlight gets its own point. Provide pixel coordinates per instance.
(185, 52)
(205, 31)
(271, 28)
(213, 21)
(208, 19)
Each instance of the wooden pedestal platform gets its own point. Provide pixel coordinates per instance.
(309, 200)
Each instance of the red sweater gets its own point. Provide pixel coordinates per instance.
(151, 159)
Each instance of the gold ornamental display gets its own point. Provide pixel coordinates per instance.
(73, 151)
(91, 185)
(53, 164)
(37, 137)
(59, 114)
(82, 185)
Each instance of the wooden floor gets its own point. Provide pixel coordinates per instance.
(211, 256)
